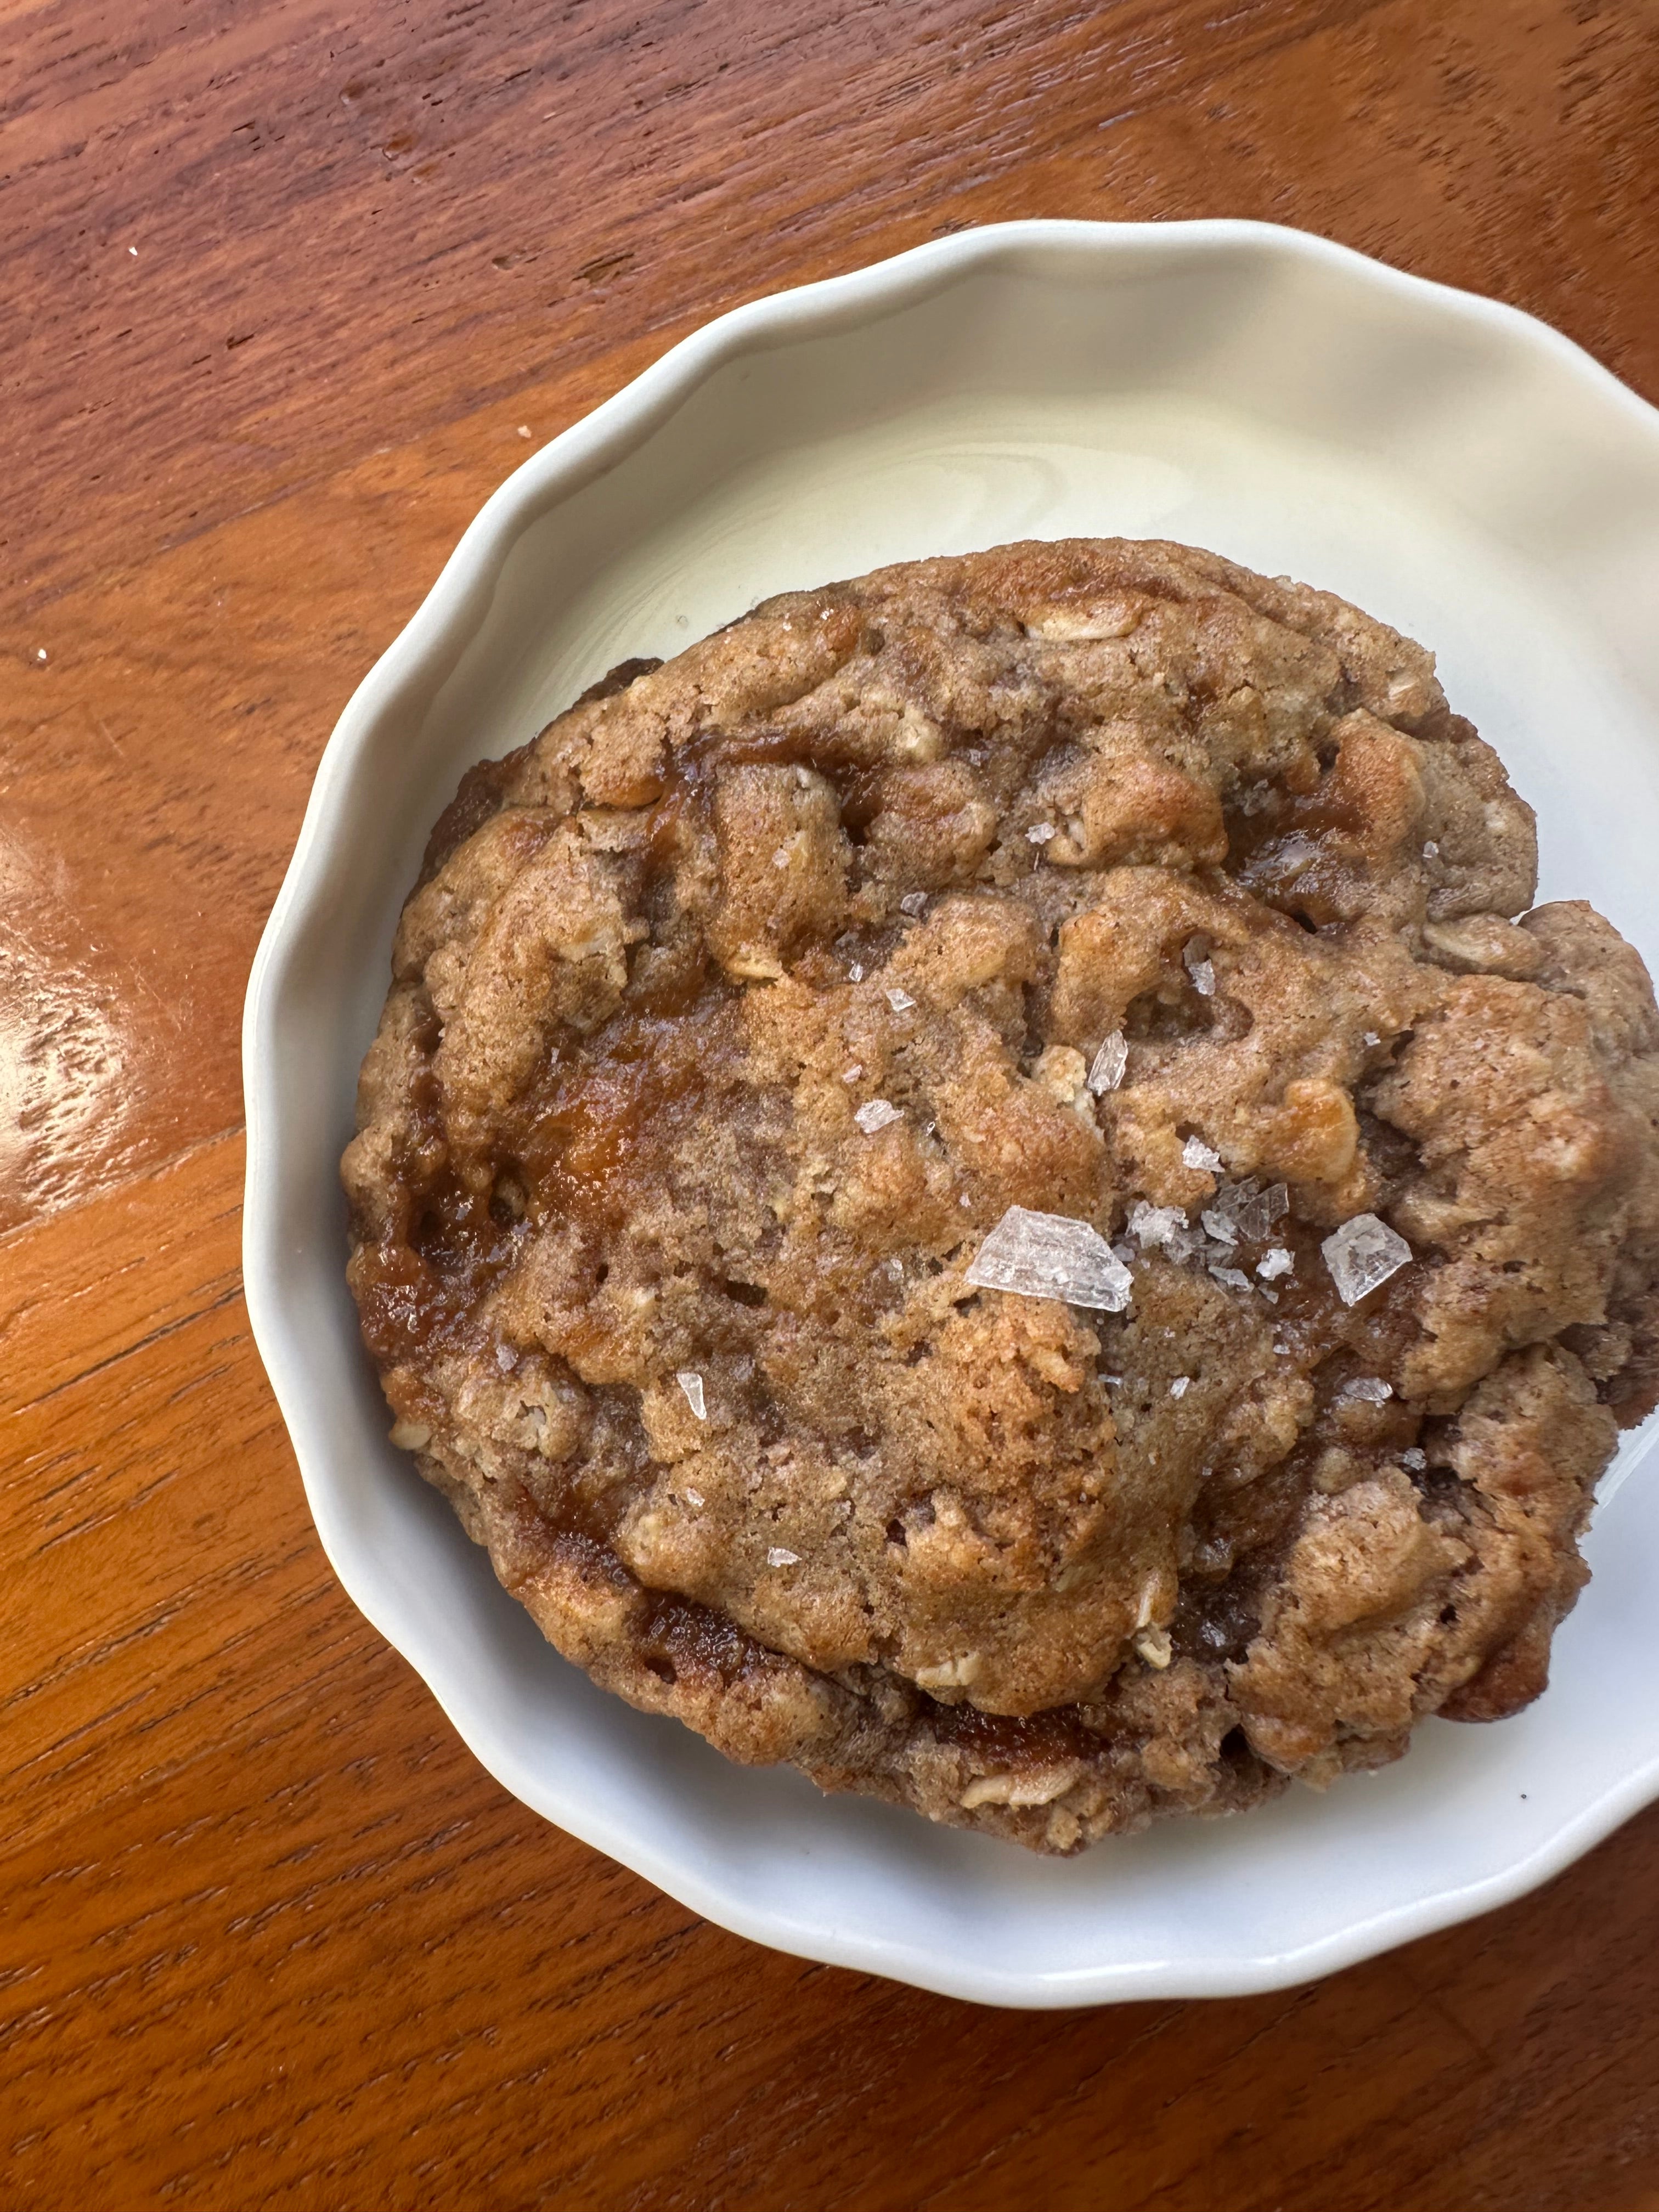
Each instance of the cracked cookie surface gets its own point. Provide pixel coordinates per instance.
(1103, 879)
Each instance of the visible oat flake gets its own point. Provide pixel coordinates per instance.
(691, 1382)
(1110, 1063)
(1049, 1256)
(1362, 1254)
(876, 1113)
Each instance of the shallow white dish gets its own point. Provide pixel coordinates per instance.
(1454, 467)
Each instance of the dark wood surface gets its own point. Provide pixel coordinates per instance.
(282, 283)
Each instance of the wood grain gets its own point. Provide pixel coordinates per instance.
(268, 1936)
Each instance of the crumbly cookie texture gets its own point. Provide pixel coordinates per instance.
(1101, 879)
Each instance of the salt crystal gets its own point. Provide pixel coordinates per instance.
(1181, 1386)
(692, 1497)
(899, 1001)
(1292, 855)
(524, 429)
(1041, 832)
(1235, 1278)
(1370, 1039)
(913, 902)
(778, 1556)
(1416, 1459)
(1219, 1227)
(876, 1113)
(1432, 851)
(691, 1382)
(1154, 1225)
(1201, 970)
(1362, 1254)
(1371, 1387)
(40, 653)
(1196, 1154)
(1272, 1297)
(1275, 1262)
(855, 973)
(852, 1074)
(781, 858)
(1049, 1256)
(1252, 1210)
(1108, 1064)
(506, 1357)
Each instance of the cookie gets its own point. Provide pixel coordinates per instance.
(985, 1183)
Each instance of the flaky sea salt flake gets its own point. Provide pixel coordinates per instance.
(1151, 1225)
(779, 1556)
(692, 1497)
(1110, 1062)
(1041, 832)
(913, 903)
(1432, 851)
(852, 1074)
(1049, 1256)
(1417, 1459)
(855, 973)
(1234, 1277)
(1196, 1154)
(1219, 1227)
(1362, 1254)
(691, 1382)
(899, 1001)
(876, 1113)
(1275, 1263)
(1369, 1388)
(1199, 966)
(781, 858)
(1181, 1386)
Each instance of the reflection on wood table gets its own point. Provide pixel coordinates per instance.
(288, 287)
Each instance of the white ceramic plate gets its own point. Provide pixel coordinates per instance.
(1452, 466)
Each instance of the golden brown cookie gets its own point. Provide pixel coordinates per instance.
(984, 1184)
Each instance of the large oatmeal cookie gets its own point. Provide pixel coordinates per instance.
(1104, 880)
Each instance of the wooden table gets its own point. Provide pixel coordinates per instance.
(287, 287)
